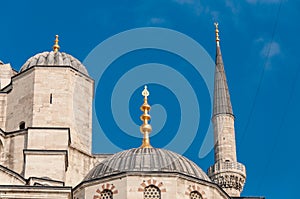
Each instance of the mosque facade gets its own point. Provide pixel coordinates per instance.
(46, 139)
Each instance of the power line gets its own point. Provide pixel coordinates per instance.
(281, 124)
(262, 74)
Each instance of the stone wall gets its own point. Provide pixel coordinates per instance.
(83, 94)
(48, 138)
(20, 101)
(63, 98)
(21, 192)
(3, 104)
(80, 163)
(14, 146)
(6, 72)
(129, 186)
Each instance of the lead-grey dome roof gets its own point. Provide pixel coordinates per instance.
(54, 59)
(146, 160)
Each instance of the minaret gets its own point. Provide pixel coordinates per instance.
(226, 172)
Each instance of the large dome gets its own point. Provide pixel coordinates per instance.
(54, 59)
(146, 160)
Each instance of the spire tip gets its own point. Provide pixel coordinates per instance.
(56, 47)
(217, 33)
(145, 92)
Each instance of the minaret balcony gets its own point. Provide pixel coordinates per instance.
(230, 176)
(220, 167)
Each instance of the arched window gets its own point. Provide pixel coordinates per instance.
(195, 195)
(22, 125)
(106, 194)
(152, 192)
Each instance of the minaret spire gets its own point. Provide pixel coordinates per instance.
(226, 172)
(222, 103)
(146, 127)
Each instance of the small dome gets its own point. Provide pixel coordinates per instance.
(146, 160)
(54, 59)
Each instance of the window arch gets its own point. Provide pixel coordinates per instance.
(22, 125)
(106, 194)
(152, 192)
(195, 195)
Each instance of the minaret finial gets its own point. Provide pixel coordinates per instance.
(56, 47)
(146, 127)
(217, 33)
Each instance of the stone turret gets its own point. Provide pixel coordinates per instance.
(46, 117)
(227, 172)
(6, 72)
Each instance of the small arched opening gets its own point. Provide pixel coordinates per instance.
(106, 194)
(195, 195)
(152, 192)
(22, 125)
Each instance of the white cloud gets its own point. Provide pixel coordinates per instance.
(157, 20)
(233, 6)
(213, 13)
(259, 40)
(194, 5)
(270, 49)
(263, 1)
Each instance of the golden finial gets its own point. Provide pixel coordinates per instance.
(146, 127)
(217, 33)
(145, 92)
(56, 47)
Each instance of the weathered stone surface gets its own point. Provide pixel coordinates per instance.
(54, 59)
(132, 186)
(55, 104)
(21, 192)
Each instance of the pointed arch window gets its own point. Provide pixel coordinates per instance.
(106, 194)
(152, 192)
(195, 195)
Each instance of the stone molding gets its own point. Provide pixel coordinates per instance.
(104, 187)
(154, 182)
(192, 188)
(229, 180)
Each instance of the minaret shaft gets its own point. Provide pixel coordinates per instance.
(224, 136)
(226, 172)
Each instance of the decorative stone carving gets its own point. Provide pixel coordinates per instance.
(195, 188)
(230, 176)
(149, 182)
(225, 180)
(105, 190)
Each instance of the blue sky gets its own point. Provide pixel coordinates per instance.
(259, 41)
